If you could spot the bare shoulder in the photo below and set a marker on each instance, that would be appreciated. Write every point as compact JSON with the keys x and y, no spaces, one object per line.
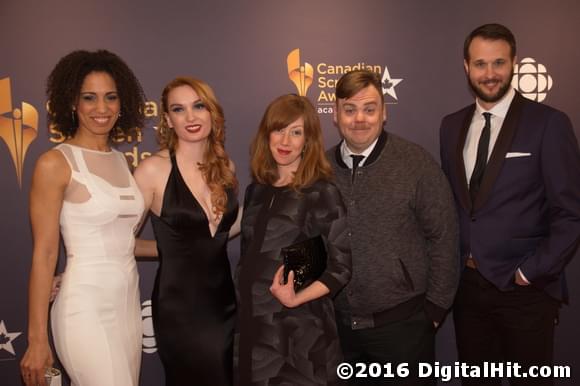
{"x":153,"y":171}
{"x":52,"y":163}
{"x":52,"y":159}
{"x":51,"y":171}
{"x":158,"y":163}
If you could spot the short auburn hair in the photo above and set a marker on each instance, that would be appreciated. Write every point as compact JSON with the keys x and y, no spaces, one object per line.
{"x":279,"y":114}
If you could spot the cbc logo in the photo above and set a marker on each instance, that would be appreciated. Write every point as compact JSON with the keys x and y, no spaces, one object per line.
{"x":149,"y":343}
{"x":532,"y":79}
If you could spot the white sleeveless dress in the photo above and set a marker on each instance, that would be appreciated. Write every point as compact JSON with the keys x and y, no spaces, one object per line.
{"x":96,"y":317}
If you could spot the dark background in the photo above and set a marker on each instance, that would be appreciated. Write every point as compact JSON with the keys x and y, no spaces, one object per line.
{"x":240,"y":49}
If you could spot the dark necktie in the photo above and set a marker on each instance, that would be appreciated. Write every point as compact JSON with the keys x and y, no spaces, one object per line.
{"x":481,"y":160}
{"x":356,"y":160}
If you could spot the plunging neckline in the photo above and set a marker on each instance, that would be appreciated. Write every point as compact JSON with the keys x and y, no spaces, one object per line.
{"x":196,"y":201}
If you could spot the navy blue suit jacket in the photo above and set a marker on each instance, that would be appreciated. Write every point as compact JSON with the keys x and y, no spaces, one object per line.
{"x":527,"y":212}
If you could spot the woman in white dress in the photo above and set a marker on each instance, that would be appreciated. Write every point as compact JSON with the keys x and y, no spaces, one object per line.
{"x":84,"y":188}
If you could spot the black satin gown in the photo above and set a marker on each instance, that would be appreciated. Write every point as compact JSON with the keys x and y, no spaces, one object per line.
{"x":279,"y":345}
{"x":194,"y":305}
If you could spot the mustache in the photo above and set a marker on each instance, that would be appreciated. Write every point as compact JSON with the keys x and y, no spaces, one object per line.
{"x":490,"y":81}
{"x":361,"y":126}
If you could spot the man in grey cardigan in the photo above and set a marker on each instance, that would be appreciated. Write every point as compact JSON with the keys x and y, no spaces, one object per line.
{"x":404,"y":237}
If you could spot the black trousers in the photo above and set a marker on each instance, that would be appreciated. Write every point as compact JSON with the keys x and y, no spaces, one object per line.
{"x":407,"y":341}
{"x":497,"y":326}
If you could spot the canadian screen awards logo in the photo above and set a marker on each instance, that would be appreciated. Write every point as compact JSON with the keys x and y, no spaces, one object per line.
{"x":6,"y":338}
{"x":324,"y":76}
{"x":301,"y":75}
{"x":531,"y":79}
{"x":18,"y":127}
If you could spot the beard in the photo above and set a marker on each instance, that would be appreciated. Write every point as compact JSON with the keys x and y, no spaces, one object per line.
{"x":504,"y":88}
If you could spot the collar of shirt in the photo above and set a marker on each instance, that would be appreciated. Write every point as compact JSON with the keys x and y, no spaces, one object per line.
{"x":499,"y":112}
{"x":346,"y":153}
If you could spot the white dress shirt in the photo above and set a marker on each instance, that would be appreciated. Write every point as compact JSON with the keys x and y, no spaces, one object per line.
{"x":498,"y":113}
{"x":346,"y":153}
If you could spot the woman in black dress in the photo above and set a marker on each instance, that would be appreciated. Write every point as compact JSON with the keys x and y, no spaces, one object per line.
{"x":288,"y":337}
{"x":190,"y":189}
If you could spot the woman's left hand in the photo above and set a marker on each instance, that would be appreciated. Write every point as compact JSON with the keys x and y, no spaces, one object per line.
{"x":284,"y":292}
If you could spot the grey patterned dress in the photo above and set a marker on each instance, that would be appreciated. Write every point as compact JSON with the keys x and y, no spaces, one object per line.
{"x":279,"y":345}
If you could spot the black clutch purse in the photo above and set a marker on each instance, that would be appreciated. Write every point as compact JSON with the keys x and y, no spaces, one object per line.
{"x":307,"y":259}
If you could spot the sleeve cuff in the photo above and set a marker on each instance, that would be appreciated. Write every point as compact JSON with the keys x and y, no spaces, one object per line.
{"x":331,"y":283}
{"x":525,"y":279}
{"x":434,"y":312}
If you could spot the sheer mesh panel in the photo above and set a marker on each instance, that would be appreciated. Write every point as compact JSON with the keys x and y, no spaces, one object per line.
{"x":70,"y":157}
{"x":107,"y":167}
{"x":112,"y":168}
{"x":76,"y":192}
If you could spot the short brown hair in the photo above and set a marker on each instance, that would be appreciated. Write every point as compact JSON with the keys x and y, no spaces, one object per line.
{"x":354,"y":81}
{"x":280,"y":113}
{"x":491,"y":31}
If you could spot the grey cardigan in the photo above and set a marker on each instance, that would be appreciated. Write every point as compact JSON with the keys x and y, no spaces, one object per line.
{"x":404,"y":235}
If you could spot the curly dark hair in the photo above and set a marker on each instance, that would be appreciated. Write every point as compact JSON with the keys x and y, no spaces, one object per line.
{"x":64,"y":85}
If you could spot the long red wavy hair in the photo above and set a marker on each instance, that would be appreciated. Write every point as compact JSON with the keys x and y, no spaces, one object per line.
{"x":215,"y":167}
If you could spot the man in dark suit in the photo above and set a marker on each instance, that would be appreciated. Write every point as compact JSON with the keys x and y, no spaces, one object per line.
{"x":514,"y":167}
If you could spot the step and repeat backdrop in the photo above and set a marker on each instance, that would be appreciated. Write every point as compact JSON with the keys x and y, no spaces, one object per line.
{"x":251,"y":52}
